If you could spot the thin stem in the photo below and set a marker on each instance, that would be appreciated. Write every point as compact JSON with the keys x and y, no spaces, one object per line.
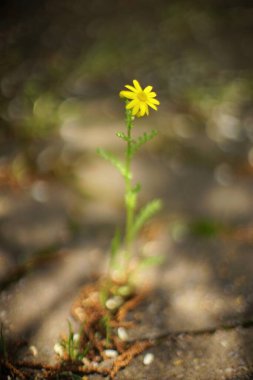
{"x":128,"y":187}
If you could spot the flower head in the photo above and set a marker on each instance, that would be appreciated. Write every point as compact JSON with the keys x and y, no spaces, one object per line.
{"x":140,"y":99}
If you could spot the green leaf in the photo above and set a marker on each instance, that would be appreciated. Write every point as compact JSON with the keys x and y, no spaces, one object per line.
{"x":137,"y":188}
{"x":123,"y":136}
{"x":105,"y":320}
{"x":108,"y":156}
{"x":151,"y":261}
{"x":85,"y":351}
{"x":142,"y":140}
{"x":70,"y":344}
{"x":145,"y":214}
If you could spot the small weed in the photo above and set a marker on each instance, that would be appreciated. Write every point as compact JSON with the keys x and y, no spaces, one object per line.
{"x":104,"y":306}
{"x":106,"y":324}
{"x":70,"y":348}
{"x":122,"y":254}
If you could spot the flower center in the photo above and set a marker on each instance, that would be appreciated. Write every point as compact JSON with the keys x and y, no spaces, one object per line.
{"x":142,"y":96}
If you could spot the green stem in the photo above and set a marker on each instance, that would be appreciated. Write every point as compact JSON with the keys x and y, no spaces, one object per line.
{"x":128,"y":187}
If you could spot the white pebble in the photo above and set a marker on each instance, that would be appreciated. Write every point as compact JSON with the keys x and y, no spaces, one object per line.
{"x":114,"y":302}
{"x":33,"y":350}
{"x":76,"y":337}
{"x":122,"y":334}
{"x":229,"y":371}
{"x":86,"y":361}
{"x":58,"y":349}
{"x":148,"y":358}
{"x":111,"y":353}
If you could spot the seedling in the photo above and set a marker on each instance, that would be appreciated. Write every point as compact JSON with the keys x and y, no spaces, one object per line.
{"x":71,"y":346}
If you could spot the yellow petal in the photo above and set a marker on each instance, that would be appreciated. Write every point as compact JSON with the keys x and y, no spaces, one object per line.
{"x":143,"y":107}
{"x":152,"y":94}
{"x":135,"y":109}
{"x":127,"y":94}
{"x":148,"y":89}
{"x":152,"y":106}
{"x":131,"y":104}
{"x":137,"y":85}
{"x":131,"y":88}
{"x":154,"y":101}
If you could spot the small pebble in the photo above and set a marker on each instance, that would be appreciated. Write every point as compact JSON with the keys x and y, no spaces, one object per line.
{"x":148,"y":358}
{"x":76,"y":337}
{"x":114,"y":302}
{"x":86,"y":361}
{"x":111,"y":353}
{"x":229,"y":371}
{"x":33,"y":350}
{"x":40,"y":191}
{"x":58,"y":349}
{"x":224,"y":343}
{"x":177,"y":362}
{"x":122,"y":334}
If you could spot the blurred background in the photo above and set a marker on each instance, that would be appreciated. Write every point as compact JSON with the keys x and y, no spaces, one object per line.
{"x":63,"y":64}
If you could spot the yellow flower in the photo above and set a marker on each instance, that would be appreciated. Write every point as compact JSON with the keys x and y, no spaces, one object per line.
{"x":140,"y":99}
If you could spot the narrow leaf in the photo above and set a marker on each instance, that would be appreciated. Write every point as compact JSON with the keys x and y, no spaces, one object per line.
{"x":143,"y":140}
{"x":151,"y":261}
{"x":145,"y":214}
{"x":137,"y":188}
{"x":113,"y":160}
{"x":123,"y":136}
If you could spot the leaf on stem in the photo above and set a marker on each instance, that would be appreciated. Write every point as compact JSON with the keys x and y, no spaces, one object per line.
{"x":123,"y":136}
{"x":142,"y":140}
{"x":151,"y":261}
{"x":113,"y":160}
{"x":105,"y":320}
{"x":145,"y":214}
{"x":137,"y":188}
{"x":70,"y":343}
